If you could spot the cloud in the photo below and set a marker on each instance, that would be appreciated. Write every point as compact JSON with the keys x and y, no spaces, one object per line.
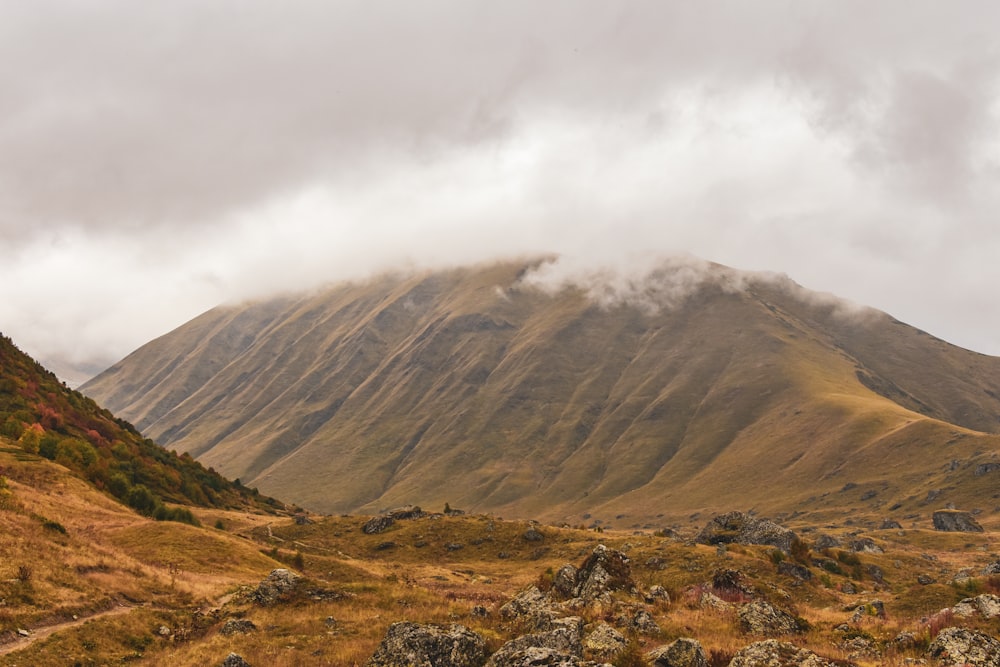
{"x":158,"y":158}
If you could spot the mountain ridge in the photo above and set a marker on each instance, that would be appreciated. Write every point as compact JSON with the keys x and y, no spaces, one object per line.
{"x":503,"y":388}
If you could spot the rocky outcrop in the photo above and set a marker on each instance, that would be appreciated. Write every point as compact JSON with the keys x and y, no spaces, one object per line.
{"x":278,"y":585}
{"x":956,"y":521}
{"x":605,"y":570}
{"x":545,"y":657}
{"x":416,"y":645}
{"x":235,"y":660}
{"x":773,"y":653}
{"x":683,"y":652}
{"x":985,"y":605}
{"x":865,"y":545}
{"x":563,"y":639}
{"x":377,"y":524}
{"x":763,"y":618}
{"x":961,"y":646}
{"x":741,"y":528}
{"x":531,"y":606}
{"x":238,"y":626}
{"x":604,"y":642}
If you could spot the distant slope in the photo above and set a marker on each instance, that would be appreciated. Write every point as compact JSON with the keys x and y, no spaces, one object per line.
{"x":475,"y":387}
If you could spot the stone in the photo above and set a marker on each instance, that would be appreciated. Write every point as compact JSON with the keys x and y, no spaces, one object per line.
{"x":774,"y":653}
{"x":277,"y":585}
{"x":532,"y":535}
{"x":377,"y":524}
{"x":961,"y":646}
{"x":302,"y":520}
{"x":762,"y":618}
{"x":683,"y":652}
{"x":800,"y":572}
{"x":741,"y":528}
{"x":890,"y":524}
{"x":604,"y":570}
{"x":871,"y":609}
{"x":535,"y":656}
{"x":406,"y":512}
{"x":235,"y":660}
{"x":530,"y":605}
{"x":865,"y":545}
{"x":564,"y":639}
{"x":564,"y":581}
{"x":163,"y":631}
{"x":825,"y":542}
{"x":657,"y":593}
{"x":986,"y":605}
{"x":924,"y":580}
{"x":23,"y":633}
{"x":992,"y":568}
{"x":955,"y":521}
{"x":409,"y":644}
{"x":644,"y":623}
{"x":240,"y":626}
{"x":604,"y":642}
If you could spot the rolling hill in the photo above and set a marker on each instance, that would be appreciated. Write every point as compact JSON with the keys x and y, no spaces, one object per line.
{"x":695,"y":389}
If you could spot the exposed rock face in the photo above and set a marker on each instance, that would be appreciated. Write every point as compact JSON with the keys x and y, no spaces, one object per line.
{"x":406,"y":512}
{"x":604,"y":570}
{"x":544,"y":657}
{"x":986,"y":605}
{"x":800,"y":572}
{"x":604,"y":642}
{"x":644,"y":623}
{"x":866,"y":545}
{"x":683,"y":652}
{"x":240,"y":626}
{"x":960,"y":646}
{"x":772,"y":653}
{"x":741,"y":528}
{"x":529,"y":604}
{"x":564,"y":581}
{"x":992,"y":568}
{"x":762,"y":618}
{"x":277,"y":584}
{"x":826,"y":542}
{"x":956,"y":521}
{"x":415,"y":645}
{"x":564,"y":639}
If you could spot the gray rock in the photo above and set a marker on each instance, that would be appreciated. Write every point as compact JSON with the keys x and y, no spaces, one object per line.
{"x":657,"y":593}
{"x":533,"y":535}
{"x":874,"y":609}
{"x":773,"y":653}
{"x":604,"y":642}
{"x":644,"y":623}
{"x":235,"y":660}
{"x":377,"y":524}
{"x":825,"y":542}
{"x":890,"y":524}
{"x":277,"y":584}
{"x":992,"y":568}
{"x":865,"y":545}
{"x":986,"y":605}
{"x":741,"y":528}
{"x":238,"y":626}
{"x":406,"y":512}
{"x":961,"y":646}
{"x":564,"y":581}
{"x":956,"y":521}
{"x":563,"y":639}
{"x":415,"y":645}
{"x":604,"y":570}
{"x":535,"y":656}
{"x":531,"y":606}
{"x":800,"y":572}
{"x":763,"y":618}
{"x":683,"y":652}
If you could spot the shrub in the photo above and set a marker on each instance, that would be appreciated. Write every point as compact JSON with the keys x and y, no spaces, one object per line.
{"x":24,"y":573}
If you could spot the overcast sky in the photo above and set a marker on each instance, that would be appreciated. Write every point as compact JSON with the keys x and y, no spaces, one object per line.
{"x":158,"y":158}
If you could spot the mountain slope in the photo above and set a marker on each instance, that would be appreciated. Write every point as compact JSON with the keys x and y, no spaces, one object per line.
{"x":496,"y":388}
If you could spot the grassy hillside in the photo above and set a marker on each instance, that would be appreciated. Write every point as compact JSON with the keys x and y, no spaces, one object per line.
{"x":477,"y":388}
{"x":44,"y":417}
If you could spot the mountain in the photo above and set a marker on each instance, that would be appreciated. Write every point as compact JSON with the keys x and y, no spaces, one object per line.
{"x":507,"y":388}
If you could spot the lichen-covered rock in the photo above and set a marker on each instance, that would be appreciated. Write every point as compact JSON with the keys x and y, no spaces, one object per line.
{"x":986,"y":605}
{"x":604,"y":570}
{"x":563,"y":638}
{"x":825,"y":542}
{"x":961,"y":646}
{"x":643,"y":623}
{"x":531,"y":606}
{"x":406,"y":512}
{"x":683,"y":652}
{"x":533,"y":535}
{"x":890,"y":524}
{"x":955,"y":521}
{"x":416,"y":645}
{"x":657,"y":593}
{"x":235,"y":660}
{"x":992,"y":568}
{"x":564,"y":581}
{"x":871,"y":609}
{"x":240,"y":626}
{"x":794,"y":570}
{"x":741,"y":528}
{"x":773,"y":653}
{"x":377,"y":524}
{"x":604,"y":642}
{"x":278,"y":584}
{"x":865,"y":545}
{"x":762,"y":618}
{"x":544,"y":657}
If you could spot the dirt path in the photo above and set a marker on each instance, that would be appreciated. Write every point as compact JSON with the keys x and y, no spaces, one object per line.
{"x":43,"y":632}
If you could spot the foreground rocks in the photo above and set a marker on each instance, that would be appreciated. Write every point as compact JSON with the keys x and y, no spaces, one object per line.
{"x":960,"y":646}
{"x":277,"y":585}
{"x":773,"y":653}
{"x":415,"y":645}
{"x":683,"y":652}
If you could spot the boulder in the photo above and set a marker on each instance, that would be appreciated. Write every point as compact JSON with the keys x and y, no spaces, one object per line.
{"x":409,"y":644}
{"x":890,"y":524}
{"x":544,"y":657}
{"x":683,"y":652}
{"x":277,"y":585}
{"x":643,"y":623}
{"x":563,"y":639}
{"x":763,"y":618}
{"x":961,"y":646}
{"x":533,"y":535}
{"x":865,"y":545}
{"x":240,"y":626}
{"x":986,"y":605}
{"x":956,"y":521}
{"x":377,"y":524}
{"x":604,"y":570}
{"x":235,"y":660}
{"x":794,"y":570}
{"x":406,"y":512}
{"x":992,"y":568}
{"x":604,"y":642}
{"x":564,"y":581}
{"x":773,"y":653}
{"x":531,"y":606}
{"x":825,"y":542}
{"x":741,"y":528}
